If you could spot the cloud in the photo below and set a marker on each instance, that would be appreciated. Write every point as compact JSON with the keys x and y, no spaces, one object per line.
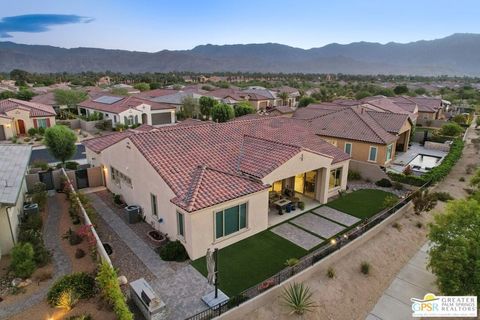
{"x":32,"y":23}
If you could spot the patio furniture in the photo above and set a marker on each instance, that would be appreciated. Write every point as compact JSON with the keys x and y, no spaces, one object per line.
{"x":281,"y":204}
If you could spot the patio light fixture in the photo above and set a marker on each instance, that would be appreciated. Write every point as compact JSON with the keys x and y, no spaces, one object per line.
{"x":333,"y":241}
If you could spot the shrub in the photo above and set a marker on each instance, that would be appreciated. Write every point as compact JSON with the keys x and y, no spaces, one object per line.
{"x":80,"y":282}
{"x":117,"y":199}
{"x":397,"y":226}
{"x":32,"y":222}
{"x":419,"y":225}
{"x":40,"y":164}
{"x":71,"y":165}
{"x":354,"y":175}
{"x":34,"y":237}
{"x":41,"y":131}
{"x":32,"y":132}
{"x":79,"y":253}
{"x":298,"y":298}
{"x":291,"y":262}
{"x":365,"y":268}
{"x":39,"y":194}
{"x":462,"y":179}
{"x":81,"y":317}
{"x":384,"y":183}
{"x":236,"y":300}
{"x":173,"y":251}
{"x":73,"y":237}
{"x":424,"y":201}
{"x":443,"y":196}
{"x":450,"y":129}
{"x":301,"y":205}
{"x":397,"y":185}
{"x":110,"y":289}
{"x":408,"y":170}
{"x":331,"y":272}
{"x":389,"y":201}
{"x":22,"y":263}
{"x":67,"y":299}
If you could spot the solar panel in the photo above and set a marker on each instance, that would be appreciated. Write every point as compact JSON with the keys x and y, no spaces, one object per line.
{"x":108,"y":99}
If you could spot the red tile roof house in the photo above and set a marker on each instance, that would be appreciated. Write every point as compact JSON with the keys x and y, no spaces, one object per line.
{"x":367,"y":135}
{"x":18,"y":116}
{"x":129,"y":110}
{"x":207,"y":185}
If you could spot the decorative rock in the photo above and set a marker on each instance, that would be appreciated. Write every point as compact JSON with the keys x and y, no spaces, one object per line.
{"x":16,"y":282}
{"x":122,"y":280}
{"x":25,"y":283}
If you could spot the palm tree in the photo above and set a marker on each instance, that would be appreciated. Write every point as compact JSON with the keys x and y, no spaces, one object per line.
{"x":284,"y":97}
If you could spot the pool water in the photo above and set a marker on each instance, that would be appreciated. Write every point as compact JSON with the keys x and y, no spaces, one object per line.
{"x":424,"y":163}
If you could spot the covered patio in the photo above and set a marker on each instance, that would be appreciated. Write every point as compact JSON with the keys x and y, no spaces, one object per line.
{"x":275,"y":218}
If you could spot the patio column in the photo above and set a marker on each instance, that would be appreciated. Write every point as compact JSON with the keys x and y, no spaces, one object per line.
{"x":407,"y":140}
{"x":322,"y":185}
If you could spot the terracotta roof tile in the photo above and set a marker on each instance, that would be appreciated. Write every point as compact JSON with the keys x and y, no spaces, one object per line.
{"x":35,"y":109}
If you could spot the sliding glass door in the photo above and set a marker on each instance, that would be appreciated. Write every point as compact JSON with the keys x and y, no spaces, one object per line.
{"x":305,"y":183}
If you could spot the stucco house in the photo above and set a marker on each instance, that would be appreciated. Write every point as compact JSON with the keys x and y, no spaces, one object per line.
{"x":211,"y":184}
{"x":128,"y":110}
{"x":13,"y":166}
{"x":366,"y":135}
{"x":18,"y":116}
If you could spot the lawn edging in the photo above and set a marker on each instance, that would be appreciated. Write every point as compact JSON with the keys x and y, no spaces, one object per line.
{"x":266,"y":297}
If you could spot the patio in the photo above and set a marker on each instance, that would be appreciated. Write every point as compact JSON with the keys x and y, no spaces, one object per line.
{"x":274,"y":218}
{"x":402,"y":159}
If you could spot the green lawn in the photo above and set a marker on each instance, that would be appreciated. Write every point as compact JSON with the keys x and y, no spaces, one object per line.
{"x":250,"y":261}
{"x":362,"y":203}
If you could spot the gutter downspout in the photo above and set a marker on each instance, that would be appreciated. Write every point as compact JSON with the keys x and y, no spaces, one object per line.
{"x":10,"y":225}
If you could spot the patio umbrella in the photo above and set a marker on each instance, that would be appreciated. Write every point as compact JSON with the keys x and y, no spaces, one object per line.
{"x":210,"y":267}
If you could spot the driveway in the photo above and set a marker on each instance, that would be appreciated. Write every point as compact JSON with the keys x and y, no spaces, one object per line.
{"x":42,"y":154}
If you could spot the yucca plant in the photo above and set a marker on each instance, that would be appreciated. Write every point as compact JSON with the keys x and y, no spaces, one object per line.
{"x":298,"y":298}
{"x":67,"y":299}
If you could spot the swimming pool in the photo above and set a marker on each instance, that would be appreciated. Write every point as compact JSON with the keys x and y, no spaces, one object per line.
{"x":424,"y":163}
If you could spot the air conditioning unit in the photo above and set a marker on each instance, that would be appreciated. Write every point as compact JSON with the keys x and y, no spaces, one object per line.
{"x":31,"y":208}
{"x":133,"y":213}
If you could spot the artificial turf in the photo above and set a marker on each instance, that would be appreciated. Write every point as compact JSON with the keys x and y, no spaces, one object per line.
{"x":362,"y":203}
{"x":250,"y":261}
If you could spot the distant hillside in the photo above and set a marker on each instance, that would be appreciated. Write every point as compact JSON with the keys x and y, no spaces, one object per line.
{"x":458,"y":54}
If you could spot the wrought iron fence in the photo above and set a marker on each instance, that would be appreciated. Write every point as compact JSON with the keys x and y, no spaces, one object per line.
{"x":307,"y":260}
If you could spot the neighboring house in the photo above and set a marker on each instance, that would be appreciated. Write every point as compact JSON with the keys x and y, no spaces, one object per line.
{"x":129,"y":110}
{"x":13,"y":166}
{"x":175,"y":99}
{"x":207,"y":185}
{"x":261,"y":98}
{"x":430,"y":108}
{"x":364,"y":134}
{"x":392,"y":105}
{"x":293,"y":96}
{"x":18,"y":116}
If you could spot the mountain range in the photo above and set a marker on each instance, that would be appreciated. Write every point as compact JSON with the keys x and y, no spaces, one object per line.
{"x":458,"y":54}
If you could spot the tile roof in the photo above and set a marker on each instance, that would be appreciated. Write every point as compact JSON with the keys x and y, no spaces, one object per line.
{"x":385,"y":104}
{"x":123,"y":104}
{"x":241,"y":149}
{"x":392,"y":122}
{"x":35,"y":109}
{"x":155,"y":93}
{"x":47,"y":98}
{"x":13,"y":165}
{"x":353,"y":123}
{"x":427,"y":104}
{"x":99,"y":144}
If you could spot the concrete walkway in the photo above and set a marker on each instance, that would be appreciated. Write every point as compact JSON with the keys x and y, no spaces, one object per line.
{"x":180,"y":289}
{"x":61,"y":262}
{"x":413,"y":281}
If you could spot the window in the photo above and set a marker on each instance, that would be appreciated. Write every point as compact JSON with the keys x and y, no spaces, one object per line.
{"x":348,"y":148}
{"x":277,"y":186}
{"x":42,"y":123}
{"x":180,"y":224}
{"x":136,"y":119}
{"x":153,"y":202}
{"x":118,"y":177}
{"x":335,"y":178}
{"x":389,"y":152}
{"x":231,"y":220}
{"x":372,"y":156}
{"x":114,"y":119}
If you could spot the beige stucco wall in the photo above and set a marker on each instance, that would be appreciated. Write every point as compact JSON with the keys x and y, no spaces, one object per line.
{"x":8,"y":127}
{"x":6,"y":241}
{"x":426,"y":115}
{"x":361,"y":150}
{"x":24,"y":115}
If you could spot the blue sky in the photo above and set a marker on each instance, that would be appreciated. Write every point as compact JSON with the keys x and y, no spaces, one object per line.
{"x":180,"y":24}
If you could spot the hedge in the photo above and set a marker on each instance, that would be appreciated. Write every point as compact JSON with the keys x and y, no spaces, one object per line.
{"x":108,"y":284}
{"x":437,"y":173}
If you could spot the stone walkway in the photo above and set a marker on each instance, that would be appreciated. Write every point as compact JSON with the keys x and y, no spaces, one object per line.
{"x":413,"y":281}
{"x":337,"y":216}
{"x":181,"y":289}
{"x":61,"y":262}
{"x":296,"y":235}
{"x":318,"y":225}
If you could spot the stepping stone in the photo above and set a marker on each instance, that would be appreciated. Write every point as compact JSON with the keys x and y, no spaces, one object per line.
{"x":337,"y":216}
{"x":318,"y":225}
{"x":296,"y":235}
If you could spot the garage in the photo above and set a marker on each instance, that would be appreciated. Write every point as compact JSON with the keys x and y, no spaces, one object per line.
{"x":161,"y":118}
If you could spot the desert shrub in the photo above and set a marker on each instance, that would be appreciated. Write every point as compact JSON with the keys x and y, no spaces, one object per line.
{"x":397,"y":185}
{"x":443,"y":196}
{"x":81,"y":283}
{"x":397,"y":226}
{"x":389,"y":201}
{"x":173,"y":251}
{"x":22,"y":263}
{"x":462,"y":179}
{"x":40,"y":164}
{"x":384,"y":183}
{"x":424,"y":201}
{"x":73,"y":237}
{"x":291,"y":262}
{"x":110,"y":289}
{"x":331,"y":272}
{"x":354,"y":175}
{"x":365,"y":268}
{"x":29,"y":232}
{"x":32,"y":222}
{"x":67,"y":299}
{"x":71,"y":165}
{"x":39,"y":194}
{"x":470,"y":168}
{"x":419,"y":225}
{"x":79,"y":253}
{"x":298,"y":298}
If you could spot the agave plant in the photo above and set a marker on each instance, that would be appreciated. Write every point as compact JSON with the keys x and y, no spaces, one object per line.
{"x":298,"y":298}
